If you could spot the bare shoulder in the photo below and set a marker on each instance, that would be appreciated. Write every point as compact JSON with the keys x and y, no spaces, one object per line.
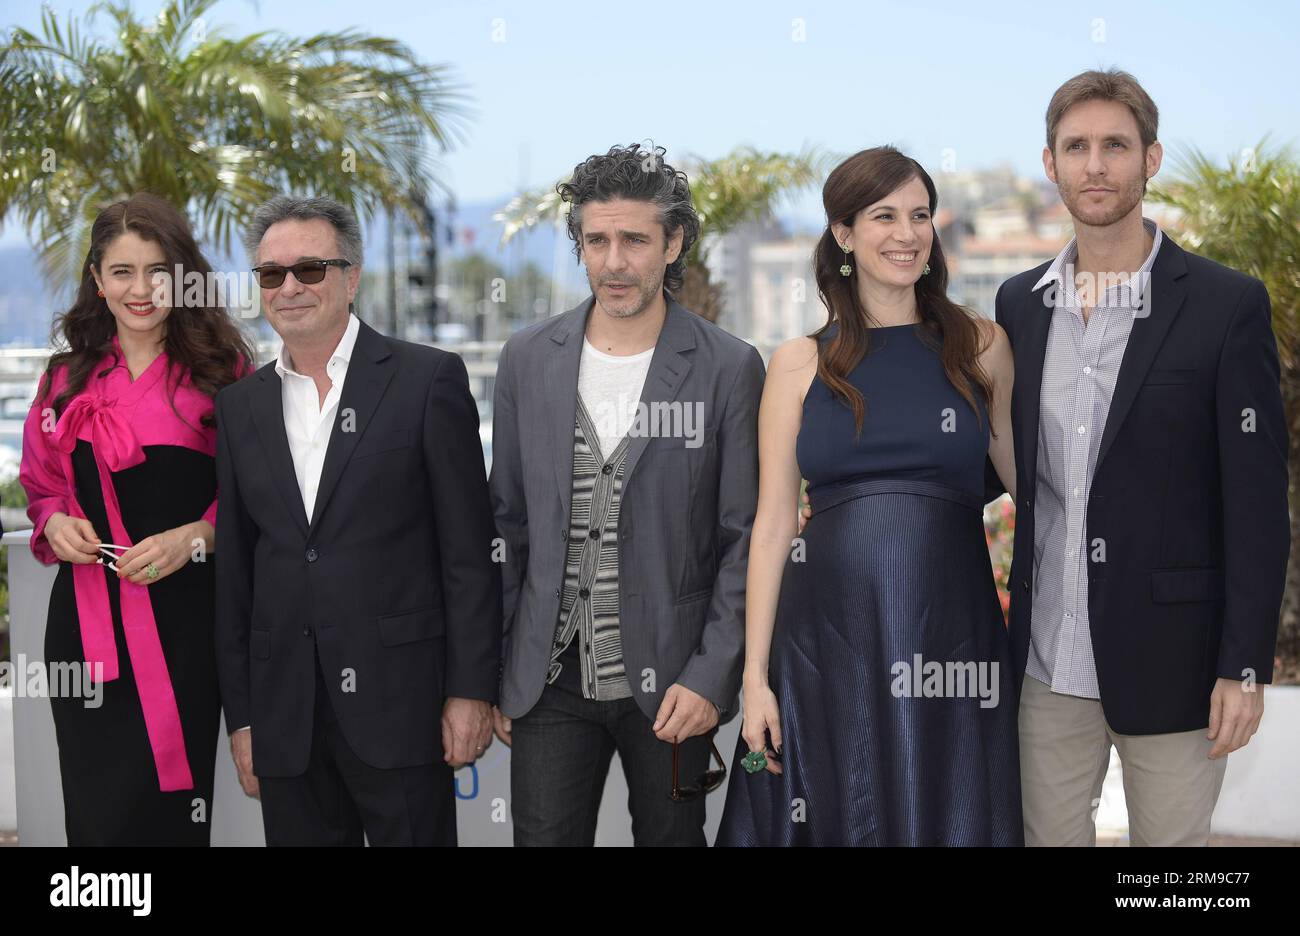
{"x":795,"y":356}
{"x":994,"y":343}
{"x":793,"y":365}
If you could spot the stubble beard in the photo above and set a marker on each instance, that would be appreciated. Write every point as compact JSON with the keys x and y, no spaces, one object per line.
{"x":645,"y":294}
{"x":1130,"y":196}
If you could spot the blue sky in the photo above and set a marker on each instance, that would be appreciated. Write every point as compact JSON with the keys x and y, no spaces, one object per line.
{"x":571,"y":79}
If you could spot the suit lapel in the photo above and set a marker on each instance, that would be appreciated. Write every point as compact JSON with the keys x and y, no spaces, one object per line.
{"x":268,"y":417}
{"x":668,"y":368}
{"x":1031,"y":343}
{"x":369,"y":372}
{"x":560,"y":390}
{"x":1166,"y":299}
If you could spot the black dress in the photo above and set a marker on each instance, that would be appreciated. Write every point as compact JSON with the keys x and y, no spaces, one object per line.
{"x":889,"y":660}
{"x":111,"y":792}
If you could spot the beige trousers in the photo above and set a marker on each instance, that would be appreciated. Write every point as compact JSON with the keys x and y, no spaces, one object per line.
{"x":1170,"y":785}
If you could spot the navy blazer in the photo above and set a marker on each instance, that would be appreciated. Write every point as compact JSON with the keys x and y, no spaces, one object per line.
{"x":1189,"y":493}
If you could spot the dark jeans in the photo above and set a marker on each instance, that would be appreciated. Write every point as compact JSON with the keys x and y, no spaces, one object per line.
{"x":340,"y":796}
{"x":559,"y":758}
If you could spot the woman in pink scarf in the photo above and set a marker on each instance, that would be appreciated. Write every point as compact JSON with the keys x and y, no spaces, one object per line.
{"x":118,"y":464}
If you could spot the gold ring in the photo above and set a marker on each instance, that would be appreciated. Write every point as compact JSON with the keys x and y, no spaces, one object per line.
{"x":151,"y":571}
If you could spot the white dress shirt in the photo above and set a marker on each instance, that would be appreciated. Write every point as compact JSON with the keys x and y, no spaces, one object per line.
{"x":308,"y":422}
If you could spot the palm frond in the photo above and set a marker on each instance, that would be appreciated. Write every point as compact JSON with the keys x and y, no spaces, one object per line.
{"x":212,"y":122}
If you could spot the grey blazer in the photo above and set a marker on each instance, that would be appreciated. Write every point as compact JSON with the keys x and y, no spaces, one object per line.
{"x":684,"y":519}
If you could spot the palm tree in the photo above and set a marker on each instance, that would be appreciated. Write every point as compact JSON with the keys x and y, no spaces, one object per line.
{"x":213,"y":123}
{"x":744,"y":185}
{"x":1246,"y":215}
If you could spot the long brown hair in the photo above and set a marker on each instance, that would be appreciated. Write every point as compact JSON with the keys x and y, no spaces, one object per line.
{"x":860,"y":181}
{"x":201,"y":340}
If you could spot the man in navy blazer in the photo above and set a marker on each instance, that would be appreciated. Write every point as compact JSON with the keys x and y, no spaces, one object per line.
{"x":1152,"y":528}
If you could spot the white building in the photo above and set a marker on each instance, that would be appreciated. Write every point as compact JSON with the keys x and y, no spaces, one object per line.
{"x":783,"y":291}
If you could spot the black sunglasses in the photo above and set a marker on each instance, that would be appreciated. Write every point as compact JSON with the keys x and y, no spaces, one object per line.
{"x":307,"y":272}
{"x":706,"y":782}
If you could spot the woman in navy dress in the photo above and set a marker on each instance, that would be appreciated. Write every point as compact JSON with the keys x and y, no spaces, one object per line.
{"x":879,"y":705}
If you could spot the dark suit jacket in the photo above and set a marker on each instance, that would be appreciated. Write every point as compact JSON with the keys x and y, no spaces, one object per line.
{"x":685,"y":512}
{"x":392,"y":582}
{"x":1189,"y":493}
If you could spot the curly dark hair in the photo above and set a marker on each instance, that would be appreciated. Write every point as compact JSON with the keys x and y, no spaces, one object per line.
{"x":636,"y":173}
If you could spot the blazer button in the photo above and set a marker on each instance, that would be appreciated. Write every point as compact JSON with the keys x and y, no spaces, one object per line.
{"x":564,"y":534}
{"x":1025,"y":584}
{"x":607,"y":469}
{"x":1029,"y":504}
{"x":311,"y":553}
{"x":557,"y":593}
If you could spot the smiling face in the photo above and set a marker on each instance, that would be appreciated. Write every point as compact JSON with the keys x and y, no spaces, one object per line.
{"x":626,"y":253}
{"x":1098,"y":163}
{"x":130,"y":274}
{"x":891,"y":239}
{"x":306,"y":312}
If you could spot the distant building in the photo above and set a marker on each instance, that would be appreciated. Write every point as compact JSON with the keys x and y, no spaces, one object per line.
{"x":983,"y":265}
{"x":783,"y":291}
{"x":963,"y":193}
{"x":729,"y":264}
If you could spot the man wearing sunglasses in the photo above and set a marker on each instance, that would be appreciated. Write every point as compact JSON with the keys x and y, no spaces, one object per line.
{"x":357,"y":649}
{"x":624,"y":479}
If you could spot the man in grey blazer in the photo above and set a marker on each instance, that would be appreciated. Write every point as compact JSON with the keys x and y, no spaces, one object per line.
{"x":624,"y":483}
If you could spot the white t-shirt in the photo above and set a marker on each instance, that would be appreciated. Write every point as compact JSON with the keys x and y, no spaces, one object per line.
{"x":610,"y":386}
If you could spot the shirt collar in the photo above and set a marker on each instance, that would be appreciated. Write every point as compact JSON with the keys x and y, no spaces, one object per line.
{"x":343,"y":352}
{"x":1069,"y":255}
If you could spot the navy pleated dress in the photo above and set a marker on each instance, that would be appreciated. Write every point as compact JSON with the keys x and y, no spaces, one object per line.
{"x":890,"y":660}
